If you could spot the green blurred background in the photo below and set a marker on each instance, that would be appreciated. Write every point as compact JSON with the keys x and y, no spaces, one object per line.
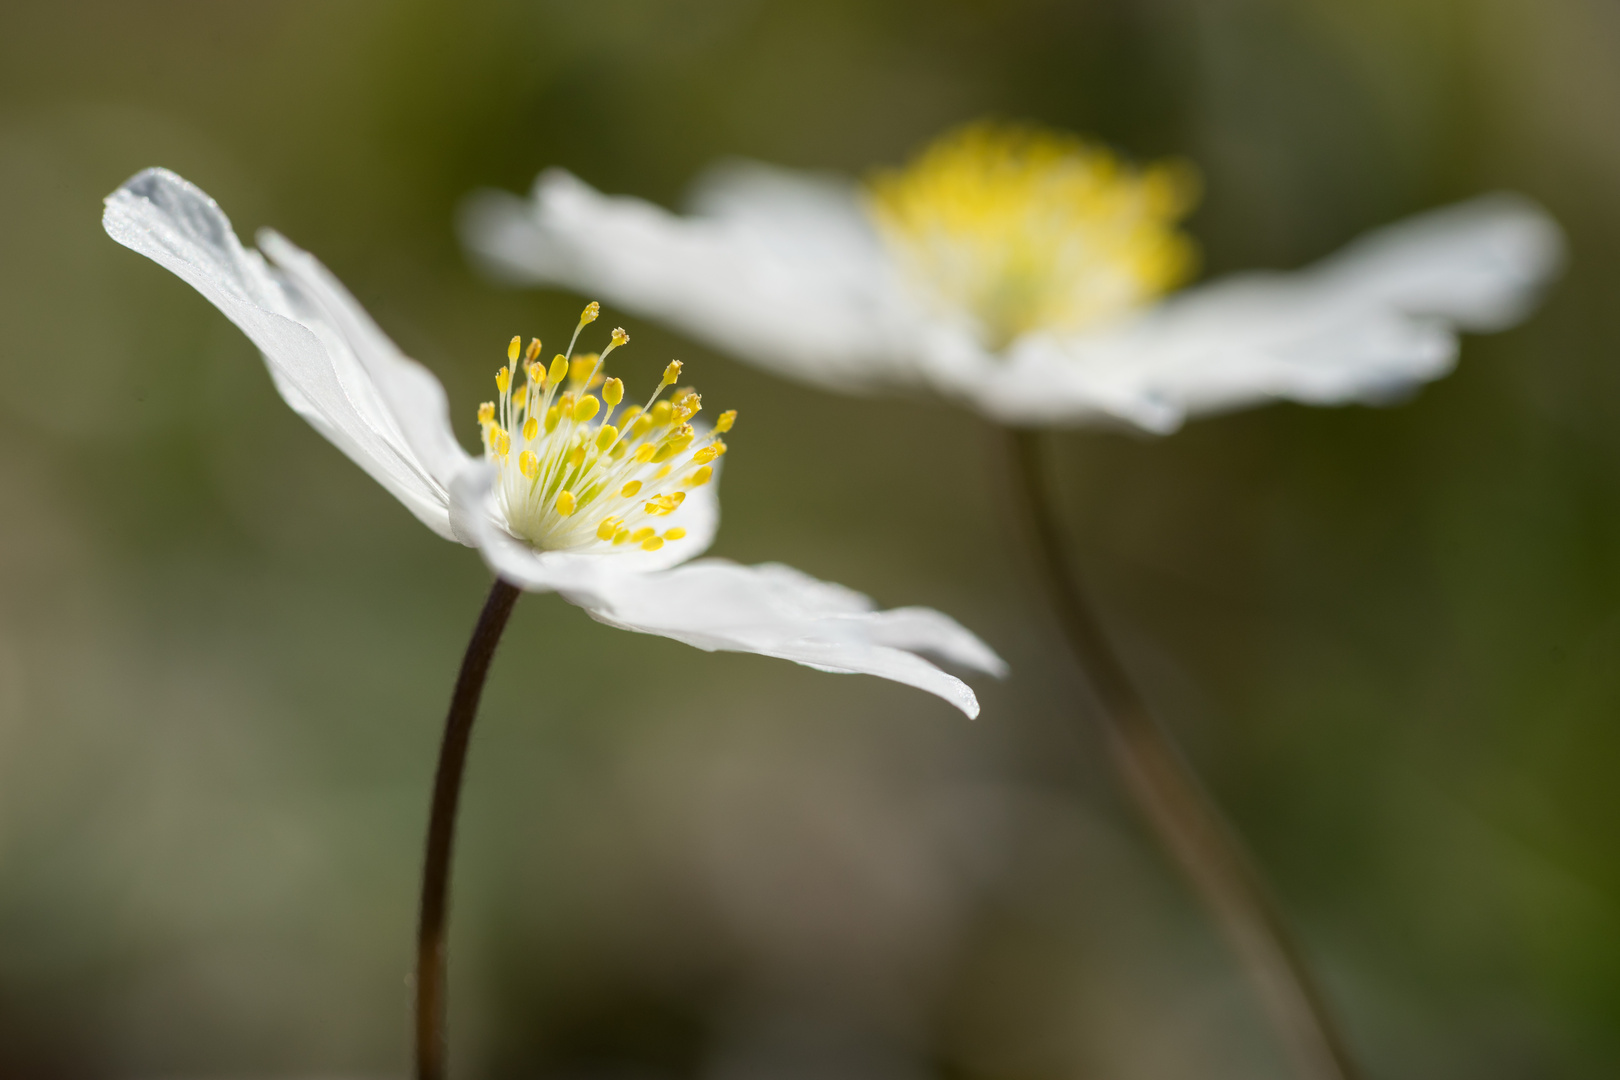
{"x":1387,"y":637}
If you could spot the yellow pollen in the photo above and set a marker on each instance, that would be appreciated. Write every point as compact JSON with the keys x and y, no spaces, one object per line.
{"x":619,"y":337}
{"x":701,"y":477}
{"x":1020,"y":228}
{"x":592,"y":310}
{"x":574,"y":481}
{"x":727,"y":418}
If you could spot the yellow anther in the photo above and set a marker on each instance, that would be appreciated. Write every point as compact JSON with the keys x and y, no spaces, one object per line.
{"x":553,"y":414}
{"x":586,"y":408}
{"x":672,"y":371}
{"x":613,"y":391}
{"x":661,"y":413}
{"x":565,"y":503}
{"x":513,"y":347}
{"x":559,"y":369}
{"x":499,"y":441}
{"x":486,"y":413}
{"x":661,"y":473}
{"x":645,"y":451}
{"x":629,"y":490}
{"x":727,"y":418}
{"x":531,"y":430}
{"x":720,"y":446}
{"x":702,"y":457}
{"x":605,"y":436}
{"x":528,"y":464}
{"x":609,"y":526}
{"x":642,"y":425}
{"x":576,"y":457}
{"x":582,"y":365}
{"x":701,"y":477}
{"x":533,"y":352}
{"x":592,"y":310}
{"x":652,"y":543}
{"x":641,"y":534}
{"x":620,"y":537}
{"x":619,"y":337}
{"x":619,"y":450}
{"x":503,"y":379}
{"x":676,"y":533}
{"x":663,"y":452}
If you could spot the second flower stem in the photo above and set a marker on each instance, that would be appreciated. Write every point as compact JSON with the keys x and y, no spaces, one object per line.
{"x":430,"y":934}
{"x":1186,"y":821}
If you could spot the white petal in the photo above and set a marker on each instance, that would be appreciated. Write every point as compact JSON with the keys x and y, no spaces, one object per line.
{"x":1365,"y":325}
{"x":306,"y":343}
{"x":413,"y":398}
{"x":775,"y":270}
{"x":774,"y":610}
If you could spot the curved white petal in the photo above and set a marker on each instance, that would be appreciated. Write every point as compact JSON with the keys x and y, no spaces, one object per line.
{"x":774,"y":269}
{"x":775,"y":610}
{"x":716,"y":605}
{"x":327,"y":359}
{"x":1367,"y":325}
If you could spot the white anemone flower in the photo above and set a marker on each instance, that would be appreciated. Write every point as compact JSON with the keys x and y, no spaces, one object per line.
{"x":575,"y":493}
{"x":1027,"y":274}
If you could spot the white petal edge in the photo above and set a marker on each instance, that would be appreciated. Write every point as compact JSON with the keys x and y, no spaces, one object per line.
{"x":303,"y":328}
{"x":1365,"y":325}
{"x":716,"y":605}
{"x":783,"y":273}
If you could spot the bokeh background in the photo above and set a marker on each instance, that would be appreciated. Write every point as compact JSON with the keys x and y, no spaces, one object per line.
{"x":1388,"y":638}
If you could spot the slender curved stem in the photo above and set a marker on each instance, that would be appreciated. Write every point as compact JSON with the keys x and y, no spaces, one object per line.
{"x":1186,"y":820}
{"x":430,"y":980}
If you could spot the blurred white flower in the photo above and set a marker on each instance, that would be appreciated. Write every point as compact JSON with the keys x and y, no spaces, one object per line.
{"x":1028,"y":275}
{"x":573,"y":495}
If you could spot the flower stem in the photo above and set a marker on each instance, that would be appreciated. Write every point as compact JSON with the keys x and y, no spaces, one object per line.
{"x":1187,"y":822}
{"x":430,"y":949}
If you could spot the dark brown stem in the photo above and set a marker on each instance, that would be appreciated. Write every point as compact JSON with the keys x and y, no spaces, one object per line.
{"x":430,"y":974}
{"x":1186,"y":820}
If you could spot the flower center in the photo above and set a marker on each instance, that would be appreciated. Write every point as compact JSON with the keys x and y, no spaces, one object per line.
{"x":1025,"y":229}
{"x":576,"y":471}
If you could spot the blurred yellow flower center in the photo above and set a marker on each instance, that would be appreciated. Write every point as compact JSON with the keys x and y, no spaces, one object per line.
{"x":1023,"y":229}
{"x":579,"y":472}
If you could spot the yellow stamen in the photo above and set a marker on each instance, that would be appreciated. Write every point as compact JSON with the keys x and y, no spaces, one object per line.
{"x":503,"y":379}
{"x":605,"y":436}
{"x":486,"y":413}
{"x":513,"y":347}
{"x":672,"y":371}
{"x":652,"y":543}
{"x":641,"y":534}
{"x":609,"y":526}
{"x":1026,"y":229}
{"x":701,"y":477}
{"x":613,"y":391}
{"x":586,"y":408}
{"x":727,"y":418}
{"x":559,"y":369}
{"x":565,"y":503}
{"x":531,"y":430}
{"x":528,"y":464}
{"x":629,"y":490}
{"x":676,"y":533}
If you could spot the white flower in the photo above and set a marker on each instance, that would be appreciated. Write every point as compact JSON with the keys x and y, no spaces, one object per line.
{"x":564,"y":499}
{"x":1025,"y":274}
